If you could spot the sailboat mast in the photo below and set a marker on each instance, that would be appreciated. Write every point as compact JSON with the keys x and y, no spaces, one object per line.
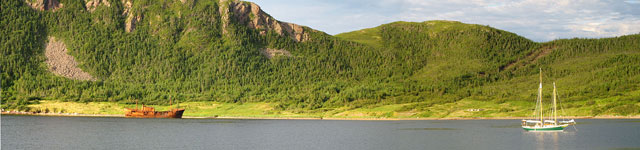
{"x":555,"y":110}
{"x":540,"y":98}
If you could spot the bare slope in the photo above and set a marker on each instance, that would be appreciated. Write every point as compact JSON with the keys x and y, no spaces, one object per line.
{"x":63,"y":64}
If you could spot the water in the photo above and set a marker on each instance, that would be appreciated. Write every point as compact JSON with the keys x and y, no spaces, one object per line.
{"x":36,"y":132}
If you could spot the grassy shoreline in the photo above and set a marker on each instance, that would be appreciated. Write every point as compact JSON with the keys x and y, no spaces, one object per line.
{"x":308,"y":118}
{"x":461,"y":110}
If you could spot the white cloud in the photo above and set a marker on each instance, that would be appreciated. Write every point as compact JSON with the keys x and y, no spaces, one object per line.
{"x":539,"y":20}
{"x":600,"y":29}
{"x":633,"y":1}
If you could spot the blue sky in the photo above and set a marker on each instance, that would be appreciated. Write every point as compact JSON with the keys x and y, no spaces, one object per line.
{"x":539,"y":20}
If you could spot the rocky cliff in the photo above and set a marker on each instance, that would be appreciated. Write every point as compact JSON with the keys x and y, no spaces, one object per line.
{"x":132,"y":18}
{"x":242,"y":12}
{"x":251,"y":15}
{"x":92,"y":4}
{"x":44,"y":4}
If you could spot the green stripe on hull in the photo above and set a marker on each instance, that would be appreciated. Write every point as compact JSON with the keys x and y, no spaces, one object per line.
{"x":544,"y":129}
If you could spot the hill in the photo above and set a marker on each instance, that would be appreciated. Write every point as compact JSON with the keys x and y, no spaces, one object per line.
{"x":231,"y":51}
{"x":597,"y":76}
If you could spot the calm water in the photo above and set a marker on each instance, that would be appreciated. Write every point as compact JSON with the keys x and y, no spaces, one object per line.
{"x":36,"y":132}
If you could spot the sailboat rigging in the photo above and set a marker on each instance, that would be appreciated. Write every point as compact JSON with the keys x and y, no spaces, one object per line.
{"x":539,"y":123}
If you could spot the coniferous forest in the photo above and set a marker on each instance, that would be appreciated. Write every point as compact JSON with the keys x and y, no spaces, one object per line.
{"x":190,"y":51}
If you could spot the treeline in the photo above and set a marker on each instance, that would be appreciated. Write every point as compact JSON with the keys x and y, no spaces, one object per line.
{"x":447,"y":59}
{"x":457,"y":61}
{"x":23,"y":34}
{"x":180,"y":51}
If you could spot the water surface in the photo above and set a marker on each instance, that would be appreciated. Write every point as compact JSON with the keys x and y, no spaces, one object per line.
{"x":37,"y":132}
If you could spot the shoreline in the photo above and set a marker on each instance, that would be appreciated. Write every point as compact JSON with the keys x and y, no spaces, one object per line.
{"x":314,"y":118}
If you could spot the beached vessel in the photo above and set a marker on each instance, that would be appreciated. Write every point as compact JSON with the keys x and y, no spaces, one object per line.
{"x":540,"y":124}
{"x":150,"y":112}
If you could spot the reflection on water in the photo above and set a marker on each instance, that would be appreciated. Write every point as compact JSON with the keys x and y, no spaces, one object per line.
{"x":551,"y":142}
{"x":629,"y":121}
{"x":508,"y":126}
{"x":215,"y":122}
{"x":539,"y":139}
{"x":554,"y":139}
{"x":36,"y":132}
{"x":428,"y":129}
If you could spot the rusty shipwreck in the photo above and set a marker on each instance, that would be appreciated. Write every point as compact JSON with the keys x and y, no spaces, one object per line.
{"x":150,"y":112}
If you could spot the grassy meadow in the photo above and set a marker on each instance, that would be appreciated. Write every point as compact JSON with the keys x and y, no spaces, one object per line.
{"x":466,"y":108}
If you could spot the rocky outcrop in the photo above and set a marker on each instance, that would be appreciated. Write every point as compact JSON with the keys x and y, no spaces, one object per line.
{"x":127,"y":7}
{"x":91,"y":5}
{"x":130,"y":23}
{"x":44,"y":5}
{"x":250,"y":14}
{"x":132,"y":18}
{"x":63,"y":64}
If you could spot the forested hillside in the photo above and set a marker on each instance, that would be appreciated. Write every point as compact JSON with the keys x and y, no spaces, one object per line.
{"x":480,"y":63}
{"x":230,"y":51}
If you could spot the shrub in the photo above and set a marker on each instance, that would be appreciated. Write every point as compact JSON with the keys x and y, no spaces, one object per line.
{"x":505,"y":110}
{"x":627,"y":109}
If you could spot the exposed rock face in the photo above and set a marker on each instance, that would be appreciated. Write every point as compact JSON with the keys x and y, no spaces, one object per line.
{"x":132,"y":19}
{"x":63,"y":64}
{"x":270,"y":53}
{"x":91,"y":5}
{"x":43,"y":5}
{"x":250,"y":14}
{"x":127,"y":7}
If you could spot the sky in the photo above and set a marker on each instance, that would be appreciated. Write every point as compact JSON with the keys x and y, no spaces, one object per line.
{"x":538,"y":20}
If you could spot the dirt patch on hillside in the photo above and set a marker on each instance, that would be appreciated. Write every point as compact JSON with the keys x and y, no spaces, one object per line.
{"x":531,"y":57}
{"x":270,"y":53}
{"x":544,"y":52}
{"x":63,"y":64}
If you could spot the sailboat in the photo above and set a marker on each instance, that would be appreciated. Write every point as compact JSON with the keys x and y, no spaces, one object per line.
{"x":539,"y":123}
